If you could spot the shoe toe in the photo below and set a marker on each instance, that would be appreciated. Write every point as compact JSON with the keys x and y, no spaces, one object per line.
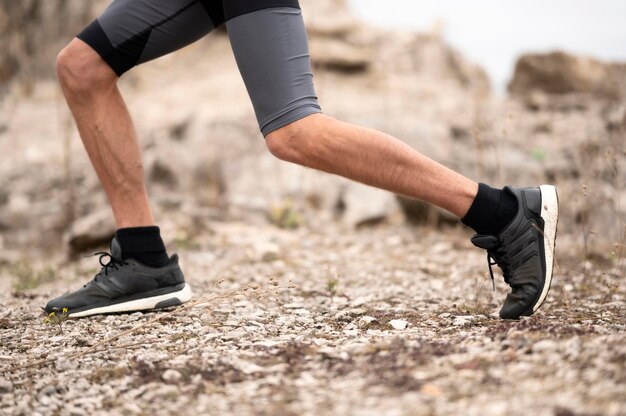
{"x":519,"y":302}
{"x":512,"y":309}
{"x":55,"y":305}
{"x":69,"y":301}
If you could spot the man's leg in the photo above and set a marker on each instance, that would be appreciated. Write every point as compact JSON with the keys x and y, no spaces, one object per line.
{"x":516,"y":226}
{"x":271,"y":49}
{"x":106,"y":129}
{"x":371,"y":157}
{"x":128,"y":33}
{"x":139,"y":275}
{"x":519,"y":224}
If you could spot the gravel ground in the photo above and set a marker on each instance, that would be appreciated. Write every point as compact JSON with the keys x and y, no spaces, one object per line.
{"x":380,"y":320}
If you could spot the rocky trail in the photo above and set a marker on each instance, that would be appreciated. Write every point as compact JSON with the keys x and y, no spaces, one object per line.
{"x":382,"y":320}
{"x":313,"y":295}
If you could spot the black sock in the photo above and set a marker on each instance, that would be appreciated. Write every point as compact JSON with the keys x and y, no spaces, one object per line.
{"x":143,"y":244}
{"x":492,"y":210}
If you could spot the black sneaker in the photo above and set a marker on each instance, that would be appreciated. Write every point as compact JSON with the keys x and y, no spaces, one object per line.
{"x":524,"y":250}
{"x":125,"y":286}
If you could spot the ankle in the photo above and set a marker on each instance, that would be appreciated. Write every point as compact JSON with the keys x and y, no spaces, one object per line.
{"x":143,"y":244}
{"x":492,"y":210}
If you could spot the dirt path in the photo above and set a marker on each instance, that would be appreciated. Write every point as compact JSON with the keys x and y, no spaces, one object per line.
{"x":321,"y":342}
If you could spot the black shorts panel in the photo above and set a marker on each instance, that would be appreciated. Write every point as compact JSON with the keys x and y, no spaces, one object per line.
{"x":130,"y":32}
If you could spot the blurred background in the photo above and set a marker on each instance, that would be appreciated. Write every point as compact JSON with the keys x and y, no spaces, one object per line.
{"x":495,"y":33}
{"x":504,"y":92}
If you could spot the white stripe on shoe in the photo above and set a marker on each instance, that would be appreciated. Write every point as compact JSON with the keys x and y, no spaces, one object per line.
{"x":144,"y":304}
{"x":550,"y":216}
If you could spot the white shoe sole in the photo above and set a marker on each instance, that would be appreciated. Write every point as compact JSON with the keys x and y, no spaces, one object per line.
{"x":550,"y":216}
{"x":183,"y":295}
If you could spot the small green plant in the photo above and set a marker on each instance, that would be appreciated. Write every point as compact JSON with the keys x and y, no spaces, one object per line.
{"x":539,"y":154}
{"x":284,"y":215}
{"x":57,"y":318}
{"x":331,"y":286}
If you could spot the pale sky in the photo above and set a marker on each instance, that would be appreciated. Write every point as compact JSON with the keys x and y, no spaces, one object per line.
{"x":494,"y":32}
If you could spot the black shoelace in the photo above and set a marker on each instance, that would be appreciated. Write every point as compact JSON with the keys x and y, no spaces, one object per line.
{"x":498,"y":258}
{"x":113,"y":263}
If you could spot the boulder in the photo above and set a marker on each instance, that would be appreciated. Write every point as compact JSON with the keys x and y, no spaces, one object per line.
{"x":363,"y":205}
{"x":338,"y":55}
{"x":90,"y":231}
{"x":562,"y":73}
{"x":334,"y":37}
{"x":329,"y":18}
{"x":162,"y":172}
{"x":419,"y":212}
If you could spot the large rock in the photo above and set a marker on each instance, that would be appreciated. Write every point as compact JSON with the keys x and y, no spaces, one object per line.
{"x":561,"y":73}
{"x":329,"y":18}
{"x":91,"y":231}
{"x":338,"y":55}
{"x":364,"y":205}
{"x":333,"y":36}
{"x":419,"y":212}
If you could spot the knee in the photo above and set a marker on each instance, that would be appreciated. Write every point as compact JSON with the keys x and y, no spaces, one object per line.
{"x":296,"y":142}
{"x":283,"y":143}
{"x":80,"y":70}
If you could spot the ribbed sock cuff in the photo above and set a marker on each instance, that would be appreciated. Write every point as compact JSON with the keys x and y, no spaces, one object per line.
{"x":492,"y":210}
{"x":140,"y":240}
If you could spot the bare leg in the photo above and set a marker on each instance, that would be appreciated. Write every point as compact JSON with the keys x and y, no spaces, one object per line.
{"x":107,"y":131}
{"x":373,"y":158}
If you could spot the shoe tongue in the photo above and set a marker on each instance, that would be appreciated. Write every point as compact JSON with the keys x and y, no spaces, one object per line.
{"x":116,"y":249}
{"x":486,"y":242}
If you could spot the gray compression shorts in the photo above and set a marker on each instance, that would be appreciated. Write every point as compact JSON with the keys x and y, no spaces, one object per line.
{"x":268,"y":39}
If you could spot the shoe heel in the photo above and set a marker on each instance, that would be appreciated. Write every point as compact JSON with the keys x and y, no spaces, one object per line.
{"x":550,"y":216}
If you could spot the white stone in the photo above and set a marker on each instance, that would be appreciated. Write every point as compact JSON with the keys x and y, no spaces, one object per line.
{"x":233,"y":335}
{"x":544,"y":345}
{"x":366,"y":320}
{"x":463,"y":320}
{"x":398,"y":324}
{"x":171,"y":376}
{"x":301,"y":312}
{"x":247,"y":367}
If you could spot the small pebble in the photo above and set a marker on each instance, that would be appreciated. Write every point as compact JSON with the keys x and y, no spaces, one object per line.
{"x":172,"y":376}
{"x":398,"y":324}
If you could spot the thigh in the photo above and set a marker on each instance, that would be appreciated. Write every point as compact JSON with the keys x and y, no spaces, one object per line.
{"x":131,"y":32}
{"x":271,"y":50}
